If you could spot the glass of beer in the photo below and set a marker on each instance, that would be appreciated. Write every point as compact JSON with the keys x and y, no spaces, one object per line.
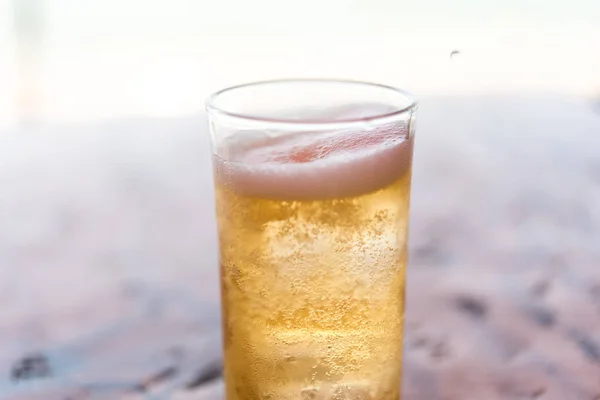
{"x":312,"y":185}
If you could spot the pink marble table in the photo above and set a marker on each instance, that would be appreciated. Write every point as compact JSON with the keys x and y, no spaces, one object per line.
{"x":108,"y":268}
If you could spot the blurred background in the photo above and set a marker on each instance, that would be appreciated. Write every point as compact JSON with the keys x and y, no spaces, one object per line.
{"x":82,"y":60}
{"x":108,"y":266}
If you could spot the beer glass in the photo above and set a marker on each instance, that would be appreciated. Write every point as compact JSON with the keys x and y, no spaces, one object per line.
{"x":312,"y":185}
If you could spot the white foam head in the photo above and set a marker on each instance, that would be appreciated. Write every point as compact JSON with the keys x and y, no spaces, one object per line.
{"x":314,"y":165}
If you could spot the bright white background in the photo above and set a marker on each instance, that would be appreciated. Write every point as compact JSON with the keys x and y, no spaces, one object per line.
{"x":99,"y":59}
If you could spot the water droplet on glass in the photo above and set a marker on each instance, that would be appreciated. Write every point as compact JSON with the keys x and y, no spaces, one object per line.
{"x":309,"y":393}
{"x":351,"y":392}
{"x":290,"y":358}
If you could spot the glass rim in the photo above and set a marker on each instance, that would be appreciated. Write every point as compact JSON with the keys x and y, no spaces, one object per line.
{"x":212,"y":108}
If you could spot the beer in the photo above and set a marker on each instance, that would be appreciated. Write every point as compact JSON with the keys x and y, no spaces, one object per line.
{"x":313,"y":232}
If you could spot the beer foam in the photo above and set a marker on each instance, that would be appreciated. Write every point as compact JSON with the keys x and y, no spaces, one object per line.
{"x":314,"y":165}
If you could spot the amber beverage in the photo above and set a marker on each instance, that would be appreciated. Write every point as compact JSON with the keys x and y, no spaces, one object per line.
{"x":312,"y":182}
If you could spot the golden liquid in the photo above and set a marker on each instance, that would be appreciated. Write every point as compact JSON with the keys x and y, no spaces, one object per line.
{"x":313,"y":294}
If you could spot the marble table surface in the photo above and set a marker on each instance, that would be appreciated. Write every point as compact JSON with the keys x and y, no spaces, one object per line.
{"x":108,"y":266}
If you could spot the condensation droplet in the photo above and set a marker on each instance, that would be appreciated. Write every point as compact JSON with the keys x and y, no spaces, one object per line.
{"x":309,"y":393}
